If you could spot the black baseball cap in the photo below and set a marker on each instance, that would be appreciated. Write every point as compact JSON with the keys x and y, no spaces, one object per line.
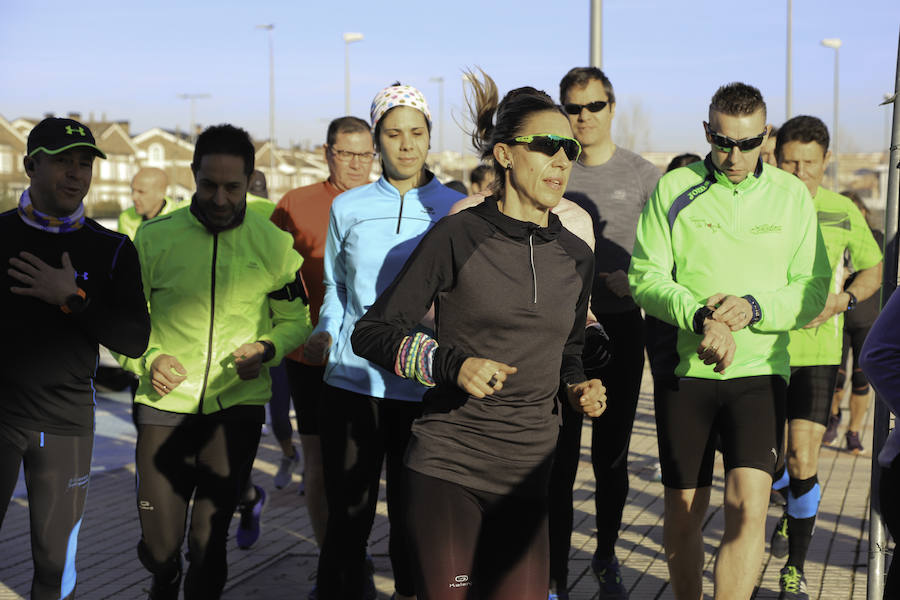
{"x":54,"y":135}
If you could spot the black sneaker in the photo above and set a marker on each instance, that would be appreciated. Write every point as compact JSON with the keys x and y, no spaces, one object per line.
{"x":609,"y":576}
{"x":793,"y":584}
{"x":778,"y":544}
{"x":831,"y":432}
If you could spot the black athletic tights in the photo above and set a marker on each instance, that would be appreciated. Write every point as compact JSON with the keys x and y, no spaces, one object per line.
{"x":57,"y":471}
{"x":208,"y":459}
{"x":471,"y":544}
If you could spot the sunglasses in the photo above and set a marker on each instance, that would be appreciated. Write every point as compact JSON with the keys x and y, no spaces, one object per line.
{"x":723,"y":143}
{"x":549,"y":144}
{"x":575,"y":109}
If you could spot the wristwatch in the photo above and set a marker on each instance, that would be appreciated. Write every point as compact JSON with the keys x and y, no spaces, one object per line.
{"x":851,"y":303}
{"x":75,"y":303}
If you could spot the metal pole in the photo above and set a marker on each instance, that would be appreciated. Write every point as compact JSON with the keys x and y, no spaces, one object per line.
{"x":788,"y":95}
{"x":272,"y":144}
{"x":193,"y":98}
{"x":596,"y":57}
{"x":346,"y":77}
{"x":440,"y":81}
{"x":877,"y":536}
{"x":836,"y":185}
{"x":349,"y":38}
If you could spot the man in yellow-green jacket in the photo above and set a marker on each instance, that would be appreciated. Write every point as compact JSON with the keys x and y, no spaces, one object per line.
{"x":226,"y":301}
{"x":148,"y":193}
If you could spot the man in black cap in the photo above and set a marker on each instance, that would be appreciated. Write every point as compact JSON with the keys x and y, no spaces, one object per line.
{"x":69,"y":285}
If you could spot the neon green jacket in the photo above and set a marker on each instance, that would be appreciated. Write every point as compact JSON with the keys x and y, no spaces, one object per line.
{"x":129,"y":220}
{"x":843,"y":228}
{"x":700,"y":234}
{"x":208,"y":294}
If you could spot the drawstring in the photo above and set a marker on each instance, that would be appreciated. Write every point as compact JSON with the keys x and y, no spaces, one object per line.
{"x":533,"y":272}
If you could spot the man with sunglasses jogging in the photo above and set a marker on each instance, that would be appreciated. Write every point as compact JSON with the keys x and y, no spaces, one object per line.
{"x":802,"y":150}
{"x":728,"y":253}
{"x":612,"y":184}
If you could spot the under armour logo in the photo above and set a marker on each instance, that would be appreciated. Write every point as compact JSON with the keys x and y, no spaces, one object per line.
{"x":71,"y":130}
{"x":83,"y":276}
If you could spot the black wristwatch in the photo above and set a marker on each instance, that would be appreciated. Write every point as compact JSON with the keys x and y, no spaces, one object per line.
{"x":703,"y":313}
{"x":75,"y":303}
{"x":851,"y":303}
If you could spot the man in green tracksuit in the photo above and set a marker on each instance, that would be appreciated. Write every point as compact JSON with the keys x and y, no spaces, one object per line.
{"x":729,"y":254}
{"x":226,"y":300}
{"x":802,"y":150}
{"x":148,"y":193}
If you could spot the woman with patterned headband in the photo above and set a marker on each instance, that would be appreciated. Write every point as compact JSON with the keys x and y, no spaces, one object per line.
{"x":366,"y":411}
{"x":510,"y":288}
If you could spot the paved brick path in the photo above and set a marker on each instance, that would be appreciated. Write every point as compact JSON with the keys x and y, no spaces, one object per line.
{"x":283,"y":562}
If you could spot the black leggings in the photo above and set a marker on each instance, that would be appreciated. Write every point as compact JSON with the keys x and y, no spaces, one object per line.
{"x":889,"y":494}
{"x":471,"y":544}
{"x":611,"y":436}
{"x":358,"y":433}
{"x":209,"y":459}
{"x":57,"y":472}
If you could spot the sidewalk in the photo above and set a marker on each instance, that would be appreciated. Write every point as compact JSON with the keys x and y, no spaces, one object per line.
{"x":282,"y":564}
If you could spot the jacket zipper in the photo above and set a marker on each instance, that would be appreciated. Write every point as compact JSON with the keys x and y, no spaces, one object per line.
{"x":212,"y":316}
{"x":533,"y":272}
{"x":400,"y":216}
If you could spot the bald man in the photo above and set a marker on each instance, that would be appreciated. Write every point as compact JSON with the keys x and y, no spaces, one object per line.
{"x":148,"y":192}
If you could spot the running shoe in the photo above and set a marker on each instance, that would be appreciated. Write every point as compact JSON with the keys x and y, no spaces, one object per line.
{"x":248,"y":528}
{"x":831,"y":432}
{"x":778,"y":544}
{"x":609,"y":577}
{"x":557,"y":592}
{"x":793,"y":584}
{"x":776,"y":498}
{"x":370,"y":593}
{"x":853,"y":443}
{"x":165,"y":590}
{"x":286,"y":469}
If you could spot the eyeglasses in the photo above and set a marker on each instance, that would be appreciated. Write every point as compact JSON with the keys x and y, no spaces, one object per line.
{"x":549,"y":144}
{"x":723,"y":143}
{"x":347,"y":156}
{"x":575,"y":109}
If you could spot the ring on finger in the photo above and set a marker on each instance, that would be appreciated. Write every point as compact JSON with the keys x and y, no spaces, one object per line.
{"x":493,"y":380}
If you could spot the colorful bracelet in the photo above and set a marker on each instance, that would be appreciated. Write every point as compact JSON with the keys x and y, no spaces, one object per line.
{"x":415,"y":358}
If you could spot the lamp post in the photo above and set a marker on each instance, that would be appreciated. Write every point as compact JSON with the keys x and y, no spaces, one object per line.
{"x":597,"y":34}
{"x":440,"y":81}
{"x":349,"y":38}
{"x":193,"y":98}
{"x":789,"y":84}
{"x":836,"y":44}
{"x":269,"y":28}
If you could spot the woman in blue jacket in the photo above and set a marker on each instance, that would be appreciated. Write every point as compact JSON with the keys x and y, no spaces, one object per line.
{"x":366,"y":412}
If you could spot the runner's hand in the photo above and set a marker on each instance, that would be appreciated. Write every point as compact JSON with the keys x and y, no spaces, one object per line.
{"x":481,"y":376}
{"x":248,"y":360}
{"x":588,"y":397}
{"x":617,"y":282}
{"x":43,"y":282}
{"x":315,"y":350}
{"x":717,"y":345}
{"x":731,"y":310}
{"x":166,"y":374}
{"x":832,"y":307}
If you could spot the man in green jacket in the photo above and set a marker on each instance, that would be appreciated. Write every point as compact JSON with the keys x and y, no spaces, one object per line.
{"x":148,"y":193}
{"x":802,"y":150}
{"x":729,"y":254}
{"x":226,"y":300}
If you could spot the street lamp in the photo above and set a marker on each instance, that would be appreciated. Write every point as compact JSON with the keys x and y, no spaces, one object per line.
{"x":193,"y":98}
{"x":269,"y":28}
{"x":349,"y":38}
{"x":789,"y":84}
{"x":836,"y":44}
{"x":440,"y":81}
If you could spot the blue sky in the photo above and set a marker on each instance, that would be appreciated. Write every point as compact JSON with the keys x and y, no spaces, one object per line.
{"x":130,"y":60}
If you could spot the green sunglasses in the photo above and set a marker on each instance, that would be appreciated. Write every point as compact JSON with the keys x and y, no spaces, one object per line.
{"x":549,"y":144}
